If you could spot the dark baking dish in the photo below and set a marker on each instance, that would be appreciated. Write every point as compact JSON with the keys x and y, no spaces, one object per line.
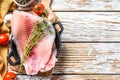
{"x":14,"y":52}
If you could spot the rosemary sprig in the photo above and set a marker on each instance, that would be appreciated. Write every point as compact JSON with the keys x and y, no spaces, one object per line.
{"x":34,"y":37}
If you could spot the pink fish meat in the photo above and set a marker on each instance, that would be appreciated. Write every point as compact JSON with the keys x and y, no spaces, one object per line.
{"x":43,"y":55}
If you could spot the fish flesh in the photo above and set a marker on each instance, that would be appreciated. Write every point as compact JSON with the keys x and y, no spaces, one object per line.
{"x":43,"y":55}
{"x":44,"y":48}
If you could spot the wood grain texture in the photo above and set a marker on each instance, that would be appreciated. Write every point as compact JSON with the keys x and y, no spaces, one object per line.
{"x":71,"y":77}
{"x":86,"y":77}
{"x":89,"y":58}
{"x":90,"y":26}
{"x":86,"y":58}
{"x":85,"y":5}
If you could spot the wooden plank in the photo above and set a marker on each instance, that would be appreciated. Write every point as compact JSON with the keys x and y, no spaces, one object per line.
{"x":86,"y":58}
{"x":28,"y":77}
{"x":86,"y":77}
{"x":71,"y":77}
{"x":85,"y":5}
{"x":89,"y":58}
{"x":90,"y":26}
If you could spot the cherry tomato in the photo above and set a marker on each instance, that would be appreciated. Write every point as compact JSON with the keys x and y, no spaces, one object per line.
{"x":10,"y":76}
{"x":39,"y":9}
{"x":4,"y":39}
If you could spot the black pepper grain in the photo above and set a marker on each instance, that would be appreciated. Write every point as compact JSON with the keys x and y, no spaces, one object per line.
{"x":22,"y":2}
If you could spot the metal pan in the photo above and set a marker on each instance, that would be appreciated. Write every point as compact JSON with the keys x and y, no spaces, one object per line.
{"x":14,"y":52}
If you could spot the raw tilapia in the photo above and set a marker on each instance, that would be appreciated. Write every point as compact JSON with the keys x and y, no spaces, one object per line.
{"x":43,"y":54}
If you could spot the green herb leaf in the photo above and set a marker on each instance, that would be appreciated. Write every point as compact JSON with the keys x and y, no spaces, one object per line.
{"x":34,"y":37}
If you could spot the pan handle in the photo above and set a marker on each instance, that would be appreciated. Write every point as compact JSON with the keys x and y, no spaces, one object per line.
{"x":60,"y":25}
{"x":58,"y":36}
{"x":11,"y":54}
{"x":14,"y":54}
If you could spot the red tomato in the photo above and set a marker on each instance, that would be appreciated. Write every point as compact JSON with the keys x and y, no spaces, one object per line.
{"x":10,"y":76}
{"x":4,"y":39}
{"x":39,"y":9}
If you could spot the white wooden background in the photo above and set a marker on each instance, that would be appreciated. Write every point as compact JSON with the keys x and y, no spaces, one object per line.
{"x":91,"y":40}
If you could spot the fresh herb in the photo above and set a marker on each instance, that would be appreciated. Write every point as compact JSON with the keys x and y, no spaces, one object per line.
{"x":35,"y":35}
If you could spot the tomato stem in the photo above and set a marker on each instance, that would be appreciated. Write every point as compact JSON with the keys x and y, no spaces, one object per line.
{"x":38,"y":8}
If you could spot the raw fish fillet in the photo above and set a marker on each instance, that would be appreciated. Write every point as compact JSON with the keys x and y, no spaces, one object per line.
{"x":22,"y":24}
{"x":51,"y":62}
{"x":42,"y":57}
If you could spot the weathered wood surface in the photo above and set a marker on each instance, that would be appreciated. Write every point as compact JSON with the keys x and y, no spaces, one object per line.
{"x":89,"y":58}
{"x":92,"y":5}
{"x":86,"y":77}
{"x":86,"y":58}
{"x":73,"y":77}
{"x":90,"y":26}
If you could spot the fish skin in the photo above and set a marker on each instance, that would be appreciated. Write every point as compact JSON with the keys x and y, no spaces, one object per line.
{"x":44,"y":47}
{"x":40,"y":59}
{"x":22,"y":24}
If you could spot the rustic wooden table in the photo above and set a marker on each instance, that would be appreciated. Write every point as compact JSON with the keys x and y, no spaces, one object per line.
{"x":90,"y":41}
